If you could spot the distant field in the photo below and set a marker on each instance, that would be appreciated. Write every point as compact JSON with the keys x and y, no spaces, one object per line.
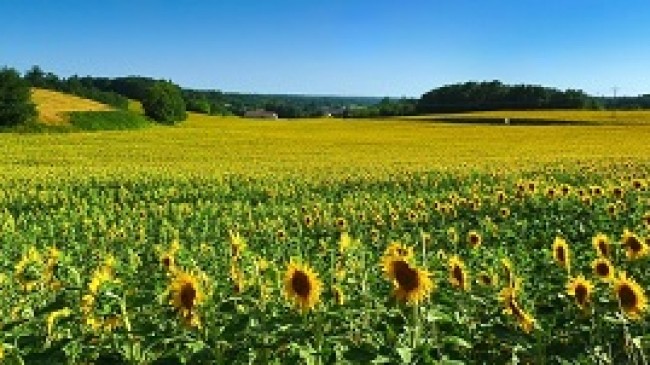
{"x":624,"y":117}
{"x":53,"y":106}
{"x":214,"y":146}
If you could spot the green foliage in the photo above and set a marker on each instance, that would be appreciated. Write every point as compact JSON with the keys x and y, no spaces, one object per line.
{"x":107,"y":120}
{"x":199,"y":105}
{"x":164,"y":103}
{"x":16,"y":106}
{"x":75,"y":85}
{"x":494,"y":95}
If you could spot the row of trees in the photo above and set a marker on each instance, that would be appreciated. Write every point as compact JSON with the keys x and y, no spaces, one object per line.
{"x":75,"y":85}
{"x":495,"y":95}
{"x":161,"y":100}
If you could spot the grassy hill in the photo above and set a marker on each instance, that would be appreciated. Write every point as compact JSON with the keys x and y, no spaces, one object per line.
{"x":54,"y":107}
{"x":61,"y":112}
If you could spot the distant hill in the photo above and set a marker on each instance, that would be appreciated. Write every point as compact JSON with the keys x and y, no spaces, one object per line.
{"x":53,"y":106}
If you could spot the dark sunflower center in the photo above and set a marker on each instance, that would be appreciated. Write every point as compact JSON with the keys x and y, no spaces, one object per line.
{"x":602,"y":247}
{"x":581,"y":294}
{"x":300,"y":284}
{"x":457,"y":273}
{"x":602,"y":269}
{"x":634,"y":244}
{"x":406,"y":277}
{"x":473,"y":239}
{"x":561,"y":254}
{"x":166,"y":261}
{"x":485,"y":279}
{"x":627,"y":297}
{"x":188,"y":295}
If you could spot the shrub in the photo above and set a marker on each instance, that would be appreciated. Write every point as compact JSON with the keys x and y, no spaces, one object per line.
{"x":164,"y":103}
{"x":16,"y":106}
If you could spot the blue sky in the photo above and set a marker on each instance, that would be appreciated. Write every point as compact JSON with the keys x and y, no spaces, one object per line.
{"x":346,"y":47}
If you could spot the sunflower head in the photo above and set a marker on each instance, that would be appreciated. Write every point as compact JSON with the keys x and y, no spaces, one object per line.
{"x":30,"y":269}
{"x":186,"y":295}
{"x":302,"y":286}
{"x":634,"y":247}
{"x":561,"y":254}
{"x":237,"y":245}
{"x":631,"y":296}
{"x":603,"y":268}
{"x":504,"y":212}
{"x":507,"y":296}
{"x":618,"y":192}
{"x":338,"y":295}
{"x":581,"y":289}
{"x":396,"y":249}
{"x":411,"y":284}
{"x":452,"y":234}
{"x":474,"y":239}
{"x":601,"y":244}
{"x":457,"y":273}
{"x":487,"y":279}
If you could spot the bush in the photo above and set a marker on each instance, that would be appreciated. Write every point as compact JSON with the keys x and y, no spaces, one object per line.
{"x":107,"y":120}
{"x":16,"y":105}
{"x":164,"y":103}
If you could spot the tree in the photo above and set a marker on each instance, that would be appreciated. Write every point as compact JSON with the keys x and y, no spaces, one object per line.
{"x":35,"y":76}
{"x":164,"y":103}
{"x":16,"y":106}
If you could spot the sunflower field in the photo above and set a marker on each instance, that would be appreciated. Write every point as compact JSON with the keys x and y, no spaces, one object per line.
{"x":426,"y":265}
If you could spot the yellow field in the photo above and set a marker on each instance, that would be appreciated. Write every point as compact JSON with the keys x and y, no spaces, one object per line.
{"x":52,"y":106}
{"x":624,"y":117}
{"x":212,"y":146}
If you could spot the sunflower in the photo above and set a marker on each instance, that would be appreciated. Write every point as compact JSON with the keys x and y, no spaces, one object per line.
{"x":237,"y":278}
{"x":474,"y":239}
{"x":302,"y":286}
{"x":457,"y":273}
{"x":486,"y":278}
{"x":398,"y":250}
{"x":29,"y":270}
{"x":338,"y":295}
{"x":603,"y":268}
{"x":581,"y":289}
{"x":634,"y":247}
{"x":565,"y":189}
{"x":561,"y":253}
{"x":344,"y":242}
{"x":452,"y":234}
{"x":411,"y":284}
{"x":341,"y":224}
{"x":508,"y":272}
{"x":237,"y":245}
{"x":504,"y":212}
{"x":96,"y":307}
{"x":630,"y":296}
{"x":618,"y":192}
{"x":186,"y":295}
{"x":601,"y":244}
{"x":508,"y":298}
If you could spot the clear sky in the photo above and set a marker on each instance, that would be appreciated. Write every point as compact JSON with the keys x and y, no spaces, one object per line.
{"x":347,"y":47}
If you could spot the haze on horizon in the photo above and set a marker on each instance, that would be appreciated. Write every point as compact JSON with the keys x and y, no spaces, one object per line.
{"x":337,"y":47}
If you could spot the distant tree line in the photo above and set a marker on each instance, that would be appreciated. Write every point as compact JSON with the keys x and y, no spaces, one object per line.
{"x":75,"y":85}
{"x":494,"y":95}
{"x":626,"y":102}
